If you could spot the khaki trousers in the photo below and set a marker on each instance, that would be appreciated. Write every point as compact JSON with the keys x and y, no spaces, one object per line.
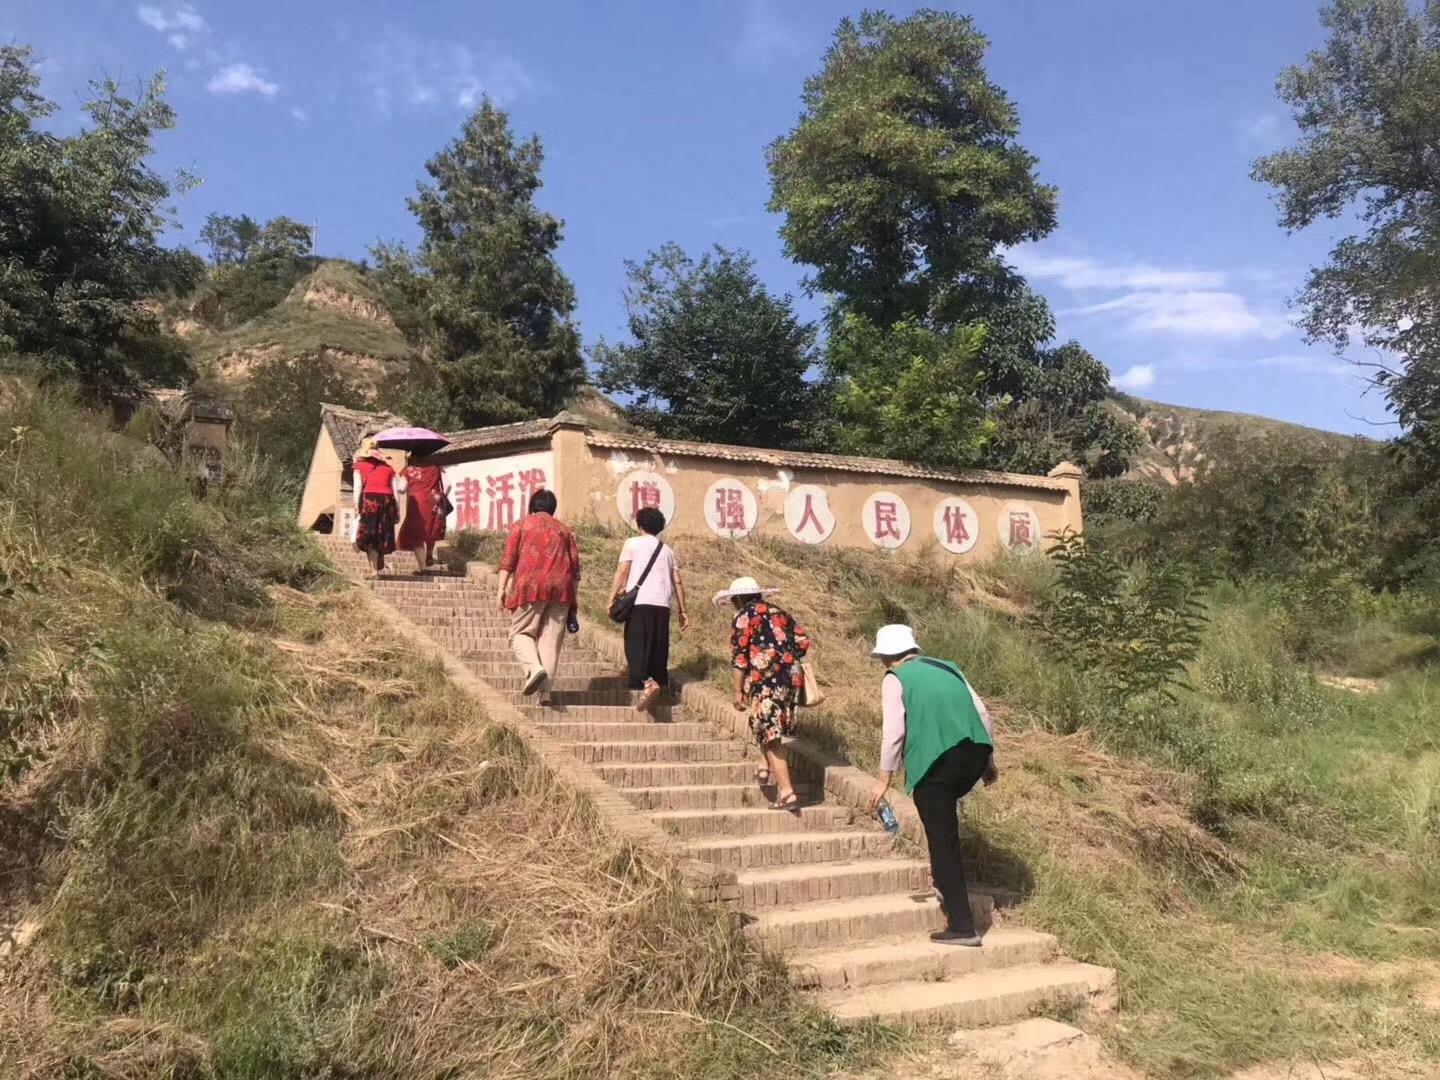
{"x":536,"y":634}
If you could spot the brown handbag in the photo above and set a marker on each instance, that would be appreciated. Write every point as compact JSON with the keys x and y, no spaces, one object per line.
{"x":810,"y":692}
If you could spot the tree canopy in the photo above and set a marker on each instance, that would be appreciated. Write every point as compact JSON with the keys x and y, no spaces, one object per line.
{"x":483,"y":295}
{"x":714,"y":355}
{"x":80,"y":220}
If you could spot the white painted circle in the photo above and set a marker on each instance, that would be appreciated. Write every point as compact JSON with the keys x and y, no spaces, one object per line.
{"x":644,"y":488}
{"x":1019,"y":528}
{"x":957,"y":526}
{"x":731,"y":508}
{"x":885,"y":519}
{"x":808,"y":515}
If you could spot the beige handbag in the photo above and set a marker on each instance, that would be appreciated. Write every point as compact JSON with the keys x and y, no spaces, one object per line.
{"x":810,"y":692}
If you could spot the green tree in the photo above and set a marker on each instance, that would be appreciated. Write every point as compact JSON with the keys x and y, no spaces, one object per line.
{"x":1368,"y":109}
{"x":230,"y":239}
{"x":492,"y":308}
{"x":80,"y":219}
{"x":903,"y":176}
{"x":277,"y":407}
{"x":714,"y":354}
{"x":901,"y":184}
{"x":908,"y":392}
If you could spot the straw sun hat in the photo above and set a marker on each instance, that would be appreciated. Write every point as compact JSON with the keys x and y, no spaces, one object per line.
{"x":742,"y":586}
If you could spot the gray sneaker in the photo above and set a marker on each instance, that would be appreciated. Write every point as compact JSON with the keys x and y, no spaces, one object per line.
{"x":532,"y":684}
{"x":956,"y":937}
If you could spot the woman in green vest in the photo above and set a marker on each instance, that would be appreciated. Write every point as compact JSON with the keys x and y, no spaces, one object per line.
{"x":940,"y":729}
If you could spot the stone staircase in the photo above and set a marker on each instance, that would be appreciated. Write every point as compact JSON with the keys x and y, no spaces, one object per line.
{"x":847,"y":905}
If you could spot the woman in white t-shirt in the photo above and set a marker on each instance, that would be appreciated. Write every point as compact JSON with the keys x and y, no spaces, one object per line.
{"x":647,"y":630}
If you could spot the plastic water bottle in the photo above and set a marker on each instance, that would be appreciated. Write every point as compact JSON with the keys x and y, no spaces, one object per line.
{"x":888,"y":820}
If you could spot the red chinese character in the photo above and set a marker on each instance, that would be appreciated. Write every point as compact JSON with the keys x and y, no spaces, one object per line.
{"x":1020,"y":535}
{"x":730,"y":509}
{"x":887,"y":520}
{"x":955,"y":530}
{"x":502,"y":501}
{"x":467,"y":504}
{"x":643,"y":494}
{"x":531,"y":481}
{"x":810,"y":517}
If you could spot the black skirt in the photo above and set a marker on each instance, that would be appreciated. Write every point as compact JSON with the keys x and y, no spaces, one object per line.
{"x":647,"y":645}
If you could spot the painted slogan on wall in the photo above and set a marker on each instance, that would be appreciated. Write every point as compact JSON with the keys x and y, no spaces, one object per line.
{"x":492,"y":494}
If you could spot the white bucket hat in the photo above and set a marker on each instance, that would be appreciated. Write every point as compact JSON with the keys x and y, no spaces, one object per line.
{"x":742,"y":586}
{"x":894,"y":640}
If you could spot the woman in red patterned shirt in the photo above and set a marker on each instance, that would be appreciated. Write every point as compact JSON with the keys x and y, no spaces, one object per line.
{"x":539,"y":584}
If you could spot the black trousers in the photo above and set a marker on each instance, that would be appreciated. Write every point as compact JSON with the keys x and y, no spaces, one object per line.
{"x":937,"y":798}
{"x":647,"y":645}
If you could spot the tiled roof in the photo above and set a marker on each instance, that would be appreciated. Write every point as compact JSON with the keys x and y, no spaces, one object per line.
{"x":829,"y":462}
{"x":524,"y":431}
{"x":348,"y":426}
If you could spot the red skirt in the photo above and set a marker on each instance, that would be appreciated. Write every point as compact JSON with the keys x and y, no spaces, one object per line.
{"x":423,"y":523}
{"x":376,"y":530}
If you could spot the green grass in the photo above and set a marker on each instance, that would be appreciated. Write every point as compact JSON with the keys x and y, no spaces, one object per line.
{"x":297,"y":328}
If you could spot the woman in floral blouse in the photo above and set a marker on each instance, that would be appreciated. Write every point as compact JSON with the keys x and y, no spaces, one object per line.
{"x":766,"y":645}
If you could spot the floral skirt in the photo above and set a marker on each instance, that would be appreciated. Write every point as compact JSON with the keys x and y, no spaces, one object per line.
{"x":772,"y":712}
{"x":376,"y":530}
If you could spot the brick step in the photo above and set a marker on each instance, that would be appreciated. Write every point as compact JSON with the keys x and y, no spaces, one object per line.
{"x":777,"y":886}
{"x":987,"y":997}
{"x":789,"y":849}
{"x":617,"y":732}
{"x":569,"y":699}
{"x":510,"y":676}
{"x":566,"y":682}
{"x":599,"y":714}
{"x":860,"y":920}
{"x":625,"y":777}
{"x":465,"y":638}
{"x":918,"y":959}
{"x":458,"y":618}
{"x":744,"y":821}
{"x":601,"y":753}
{"x":704,"y":796}
{"x":501,"y":654}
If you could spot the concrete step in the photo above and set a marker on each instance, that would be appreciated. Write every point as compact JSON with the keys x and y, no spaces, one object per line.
{"x":703,"y":796}
{"x":789,"y":849}
{"x":982,"y":999}
{"x":808,"y":884}
{"x":858,"y":920}
{"x":602,"y":753}
{"x":616,"y":732}
{"x":627,"y":776}
{"x":744,"y":821}
{"x":597,"y":714}
{"x":917,"y":959}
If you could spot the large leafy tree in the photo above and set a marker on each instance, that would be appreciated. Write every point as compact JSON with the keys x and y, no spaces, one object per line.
{"x":483,"y":295}
{"x":1368,"y":109}
{"x":902,"y":184}
{"x":714,"y":355}
{"x":80,"y":220}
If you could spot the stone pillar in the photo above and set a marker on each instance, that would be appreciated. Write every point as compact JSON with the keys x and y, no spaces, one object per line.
{"x":572,"y":461}
{"x":1071,"y":476}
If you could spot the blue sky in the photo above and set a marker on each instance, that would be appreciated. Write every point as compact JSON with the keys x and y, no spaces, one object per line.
{"x":1167,"y":263}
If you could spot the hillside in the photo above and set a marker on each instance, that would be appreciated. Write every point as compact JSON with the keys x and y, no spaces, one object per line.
{"x":1176,"y":438}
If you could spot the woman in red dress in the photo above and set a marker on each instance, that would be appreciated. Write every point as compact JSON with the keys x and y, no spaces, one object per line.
{"x":424,"y":524}
{"x":376,"y":486}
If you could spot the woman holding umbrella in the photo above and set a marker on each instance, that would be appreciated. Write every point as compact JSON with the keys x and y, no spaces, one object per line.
{"x":426,"y":507}
{"x":423,"y":481}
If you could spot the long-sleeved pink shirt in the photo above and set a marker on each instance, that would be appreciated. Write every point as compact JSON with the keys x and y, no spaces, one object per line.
{"x":892,"y":709}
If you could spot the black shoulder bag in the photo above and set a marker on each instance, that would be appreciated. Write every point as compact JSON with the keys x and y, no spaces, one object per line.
{"x":621,"y":606}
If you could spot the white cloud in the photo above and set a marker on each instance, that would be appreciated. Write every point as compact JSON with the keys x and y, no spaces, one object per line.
{"x":1304,"y":364}
{"x":241,"y":79}
{"x":1192,"y":313}
{"x":1261,"y":131}
{"x":764,"y":37}
{"x":181,"y":24}
{"x":405,"y":73}
{"x":299,"y":114}
{"x":1081,"y":273}
{"x":1137,"y":377}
